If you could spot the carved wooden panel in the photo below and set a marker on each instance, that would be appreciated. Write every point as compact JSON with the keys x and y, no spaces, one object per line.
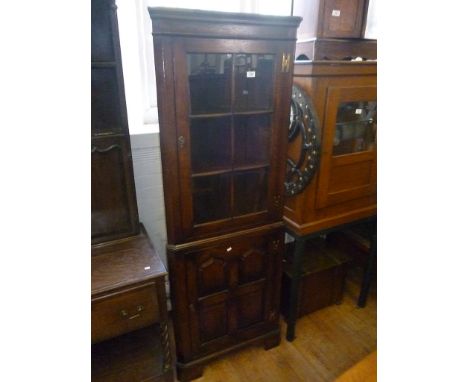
{"x":113,"y":204}
{"x":250,"y":307}
{"x":213,"y":321}
{"x":211,"y":276}
{"x":229,"y":288}
{"x":252,"y":265}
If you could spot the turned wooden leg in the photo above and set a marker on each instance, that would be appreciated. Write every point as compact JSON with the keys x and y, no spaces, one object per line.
{"x":272,"y":341}
{"x":186,"y":374}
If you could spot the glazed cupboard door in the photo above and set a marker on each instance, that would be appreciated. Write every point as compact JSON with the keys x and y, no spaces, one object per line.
{"x":228,"y":133}
{"x":348,"y":168}
{"x":231,"y":289}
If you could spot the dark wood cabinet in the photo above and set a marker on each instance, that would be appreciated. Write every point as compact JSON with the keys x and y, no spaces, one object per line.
{"x":114,"y":213}
{"x":331,"y":18}
{"x":223,"y":83}
{"x":129,"y":320}
{"x":344,"y":189}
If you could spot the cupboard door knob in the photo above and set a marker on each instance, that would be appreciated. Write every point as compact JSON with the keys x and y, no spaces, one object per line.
{"x":181,"y":141}
{"x":123,"y":313}
{"x":140,"y":308}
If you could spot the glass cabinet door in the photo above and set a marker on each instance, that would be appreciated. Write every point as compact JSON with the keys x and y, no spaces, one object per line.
{"x":348,"y":162}
{"x":229,"y":129}
{"x":355,"y":127}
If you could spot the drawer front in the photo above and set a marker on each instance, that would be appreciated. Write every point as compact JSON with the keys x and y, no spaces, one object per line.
{"x":123,"y":312}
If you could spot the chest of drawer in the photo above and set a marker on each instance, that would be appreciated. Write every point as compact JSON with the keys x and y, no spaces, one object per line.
{"x":124,"y":311}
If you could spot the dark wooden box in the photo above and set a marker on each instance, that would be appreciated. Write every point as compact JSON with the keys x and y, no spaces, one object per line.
{"x":322,"y":280}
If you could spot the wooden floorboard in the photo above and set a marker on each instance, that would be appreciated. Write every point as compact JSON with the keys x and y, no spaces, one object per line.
{"x":329,"y":342}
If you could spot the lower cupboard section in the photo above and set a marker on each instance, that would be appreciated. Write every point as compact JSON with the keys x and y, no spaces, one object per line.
{"x":225,"y":293}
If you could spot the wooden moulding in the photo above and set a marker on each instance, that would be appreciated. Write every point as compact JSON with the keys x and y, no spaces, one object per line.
{"x":318,"y":49}
{"x":194,"y":369}
{"x":196,"y":23}
{"x":334,"y":68}
{"x":213,"y":241}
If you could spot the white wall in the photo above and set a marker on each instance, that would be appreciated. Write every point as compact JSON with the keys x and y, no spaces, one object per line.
{"x":148,"y":183}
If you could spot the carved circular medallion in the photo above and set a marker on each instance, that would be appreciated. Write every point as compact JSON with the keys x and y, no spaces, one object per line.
{"x":304,"y":132}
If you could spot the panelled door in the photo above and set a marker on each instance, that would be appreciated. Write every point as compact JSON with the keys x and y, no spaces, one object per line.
{"x":348,"y":168}
{"x":231,"y":287}
{"x":227,"y":125}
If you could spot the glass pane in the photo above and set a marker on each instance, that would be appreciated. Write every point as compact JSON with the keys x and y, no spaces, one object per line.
{"x":250,"y":191}
{"x":252,"y":140}
{"x":253,"y":81}
{"x":209,"y":82}
{"x":210,"y":144}
{"x":356,"y":127}
{"x":211,"y":198}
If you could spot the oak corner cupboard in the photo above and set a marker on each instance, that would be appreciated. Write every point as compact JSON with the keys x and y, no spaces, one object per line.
{"x":224,"y":87}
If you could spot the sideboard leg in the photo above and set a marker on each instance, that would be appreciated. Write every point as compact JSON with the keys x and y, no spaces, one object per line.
{"x":293,"y":296}
{"x":368,"y":273}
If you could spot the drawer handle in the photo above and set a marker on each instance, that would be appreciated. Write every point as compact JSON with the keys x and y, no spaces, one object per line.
{"x":124,"y":313}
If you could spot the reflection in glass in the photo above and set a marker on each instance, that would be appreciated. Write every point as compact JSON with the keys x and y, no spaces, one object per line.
{"x":231,"y":106}
{"x":211,"y":144}
{"x":253,"y":81}
{"x":250,"y":191}
{"x":211,"y":198}
{"x":252,"y":140}
{"x":356,"y":127}
{"x":209,"y":82}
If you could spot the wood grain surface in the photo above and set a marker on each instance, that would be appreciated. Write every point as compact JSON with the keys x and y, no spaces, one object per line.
{"x":123,"y":262}
{"x":363,"y":371}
